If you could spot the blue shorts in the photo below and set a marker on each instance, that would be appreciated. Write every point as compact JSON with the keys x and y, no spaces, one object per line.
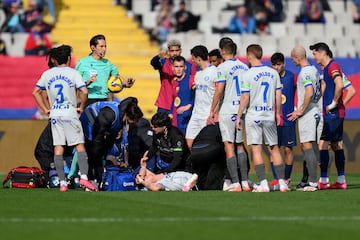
{"x":287,"y":136}
{"x":333,"y":130}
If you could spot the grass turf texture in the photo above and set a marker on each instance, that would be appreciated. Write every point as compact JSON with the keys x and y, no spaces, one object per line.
{"x":49,"y":214}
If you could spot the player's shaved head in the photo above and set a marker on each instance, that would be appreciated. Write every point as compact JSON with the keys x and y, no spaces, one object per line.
{"x":298,"y":51}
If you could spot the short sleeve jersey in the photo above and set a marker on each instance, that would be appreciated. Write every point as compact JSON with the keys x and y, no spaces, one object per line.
{"x":103,"y":69}
{"x":60,"y":84}
{"x":288,"y":89}
{"x":261,"y":82}
{"x":308,"y":77}
{"x":331,"y":71}
{"x":230,"y":72}
{"x":204,"y":92}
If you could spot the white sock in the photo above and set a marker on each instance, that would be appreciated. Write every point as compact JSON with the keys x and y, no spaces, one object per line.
{"x":324,"y":180}
{"x":84,"y":176}
{"x":341,"y":179}
{"x":63,"y":182}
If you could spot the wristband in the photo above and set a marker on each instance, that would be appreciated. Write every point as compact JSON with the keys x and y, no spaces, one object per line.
{"x":332,"y":105}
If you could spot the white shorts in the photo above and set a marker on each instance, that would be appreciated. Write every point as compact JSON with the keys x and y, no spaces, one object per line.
{"x":308,"y":125}
{"x":194,"y":127}
{"x":175,"y":180}
{"x":258,"y":132}
{"x":66,"y":131}
{"x":229,"y":132}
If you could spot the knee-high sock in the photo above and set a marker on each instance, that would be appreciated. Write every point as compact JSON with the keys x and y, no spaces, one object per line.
{"x":59,"y":165}
{"x":311,"y":163}
{"x":340,"y":162}
{"x":242,"y":162}
{"x":83,"y":163}
{"x":260,"y":171}
{"x":280,"y":171}
{"x":324,"y":162}
{"x":231,"y":164}
{"x":305,"y":177}
{"x":273,"y":170}
{"x":288,"y":170}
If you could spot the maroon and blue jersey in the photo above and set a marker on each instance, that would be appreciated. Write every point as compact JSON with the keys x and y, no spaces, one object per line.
{"x":331,"y":71}
{"x":183,"y":95}
{"x":288,"y":90}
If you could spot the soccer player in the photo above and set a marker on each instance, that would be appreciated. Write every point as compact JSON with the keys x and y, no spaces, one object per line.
{"x":163,"y":63}
{"x":286,"y":129}
{"x":205,"y":80}
{"x":333,"y":113}
{"x":215,"y":57}
{"x":225,"y":103}
{"x":173,"y":181}
{"x":96,"y":70}
{"x":307,"y":113}
{"x":350,"y":93}
{"x":183,"y":99}
{"x":61,"y":84}
{"x":261,"y":96}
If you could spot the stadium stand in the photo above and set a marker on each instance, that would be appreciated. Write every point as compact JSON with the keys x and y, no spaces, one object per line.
{"x":129,"y":47}
{"x":216,"y":14}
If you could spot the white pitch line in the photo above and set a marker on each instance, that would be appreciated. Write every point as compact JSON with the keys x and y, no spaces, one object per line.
{"x":181,"y":219}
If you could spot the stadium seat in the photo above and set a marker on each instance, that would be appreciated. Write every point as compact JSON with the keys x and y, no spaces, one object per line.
{"x":149,"y":20}
{"x":211,"y":41}
{"x":15,"y":43}
{"x":224,"y":18}
{"x":334,"y":30}
{"x":141,"y":6}
{"x":277,"y":29}
{"x":345,"y":47}
{"x":296,"y":29}
{"x":217,"y":5}
{"x":314,"y":29}
{"x":285,"y":44}
{"x":268,"y":44}
{"x":344,"y":18}
{"x":337,"y":6}
{"x":246,"y":40}
{"x":2,"y":17}
{"x":197,"y":7}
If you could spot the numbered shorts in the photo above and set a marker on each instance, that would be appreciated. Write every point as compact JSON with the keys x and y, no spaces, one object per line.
{"x":258,"y":131}
{"x":229,"y":132}
{"x":66,"y":131}
{"x":308,"y":125}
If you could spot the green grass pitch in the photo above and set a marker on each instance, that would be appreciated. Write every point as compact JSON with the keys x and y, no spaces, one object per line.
{"x":76,"y":214}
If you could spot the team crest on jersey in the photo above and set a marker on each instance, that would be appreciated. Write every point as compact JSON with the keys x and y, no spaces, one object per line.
{"x":206,"y":78}
{"x":233,"y":118}
{"x":53,"y":121}
{"x":283,"y":99}
{"x":179,"y":144}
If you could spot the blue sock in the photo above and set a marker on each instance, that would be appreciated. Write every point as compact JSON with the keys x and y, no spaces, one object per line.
{"x":288,"y":170}
{"x":273,"y":170}
{"x":324,"y":162}
{"x":340,"y":162}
